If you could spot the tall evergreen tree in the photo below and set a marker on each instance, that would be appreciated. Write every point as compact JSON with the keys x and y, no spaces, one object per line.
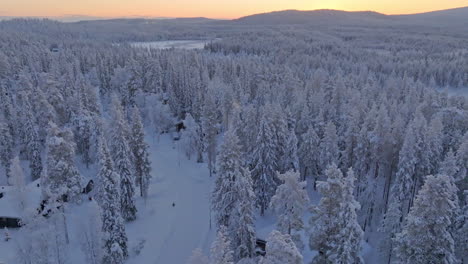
{"x":221,"y":252}
{"x":280,"y":249}
{"x":209,"y":127}
{"x":264,"y":164}
{"x":329,"y":152}
{"x":289,"y":202}
{"x":122,"y":155}
{"x":425,"y":237}
{"x":335,"y":232}
{"x":6,"y":148}
{"x":114,"y":235}
{"x":140,"y":154}
{"x":309,"y":155}
{"x":225,"y":195}
{"x":61,"y":177}
{"x":242,"y":224}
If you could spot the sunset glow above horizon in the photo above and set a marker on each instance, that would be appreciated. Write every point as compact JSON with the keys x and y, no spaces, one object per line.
{"x":209,"y":8}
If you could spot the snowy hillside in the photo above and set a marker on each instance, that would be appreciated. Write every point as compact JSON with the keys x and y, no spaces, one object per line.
{"x":295,"y":137}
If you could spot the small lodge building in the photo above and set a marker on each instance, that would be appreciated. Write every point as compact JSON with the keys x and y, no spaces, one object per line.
{"x":10,"y":211}
{"x":54,"y":48}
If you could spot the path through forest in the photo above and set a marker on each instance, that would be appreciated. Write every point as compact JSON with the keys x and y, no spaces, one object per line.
{"x":170,"y":232}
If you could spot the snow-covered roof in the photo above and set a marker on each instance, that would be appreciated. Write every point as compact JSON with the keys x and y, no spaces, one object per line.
{"x":9,"y":203}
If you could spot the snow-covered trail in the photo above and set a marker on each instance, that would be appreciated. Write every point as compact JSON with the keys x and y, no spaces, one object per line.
{"x":171,"y":233}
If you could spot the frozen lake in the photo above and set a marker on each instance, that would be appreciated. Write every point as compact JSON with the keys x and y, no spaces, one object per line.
{"x":168,"y":44}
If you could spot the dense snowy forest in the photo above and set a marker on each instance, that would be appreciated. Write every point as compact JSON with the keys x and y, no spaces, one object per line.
{"x":332,"y":143}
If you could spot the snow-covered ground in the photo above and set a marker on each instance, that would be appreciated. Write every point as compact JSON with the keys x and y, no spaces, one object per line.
{"x":178,"y":44}
{"x":171,"y":233}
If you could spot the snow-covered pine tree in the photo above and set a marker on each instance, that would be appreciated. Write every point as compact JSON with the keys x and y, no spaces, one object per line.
{"x":6,"y":148}
{"x":329,"y":152}
{"x":243,"y":230}
{"x":289,"y":202}
{"x":264,"y":164}
{"x":17,"y":180}
{"x":309,"y":155}
{"x":391,"y":225}
{"x":241,"y":225}
{"x":461,"y":229}
{"x":448,"y":166}
{"x":290,"y":157}
{"x":140,"y":154}
{"x":35,"y":163}
{"x":60,"y":177}
{"x":335,"y":232}
{"x":462,"y":159}
{"x":209,"y":125}
{"x":280,"y":249}
{"x":233,"y":195}
{"x":83,"y":122}
{"x":226,"y":195}
{"x":425,"y":237}
{"x":221,"y":252}
{"x":122,"y":156}
{"x":433,"y":152}
{"x":405,"y":175}
{"x":114,"y":235}
{"x":190,"y":137}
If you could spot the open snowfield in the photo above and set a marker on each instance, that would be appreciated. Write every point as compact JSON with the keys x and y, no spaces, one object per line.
{"x":172,"y":233}
{"x":169,"y":44}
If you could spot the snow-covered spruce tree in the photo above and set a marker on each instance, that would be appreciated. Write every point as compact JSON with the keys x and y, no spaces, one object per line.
{"x":225,"y":194}
{"x":289,"y":203}
{"x":405,"y":175}
{"x":391,"y":225}
{"x":221,"y":252}
{"x":241,"y":225}
{"x":335,"y":232}
{"x":264,"y":164}
{"x":60,"y":177}
{"x":433,"y":152}
{"x":113,"y":229}
{"x":122,"y":156}
{"x":140,"y":154}
{"x":83,"y":123}
{"x":280,"y":249}
{"x":6,"y":148}
{"x":190,"y":137}
{"x":461,"y":229}
{"x":290,"y":157}
{"x":209,"y":125}
{"x":35,"y":163}
{"x":17,"y":180}
{"x":425,"y":237}
{"x":448,"y":166}
{"x":243,"y":230}
{"x":232,"y":197}
{"x":462,"y":159}
{"x":281,"y":134}
{"x":309,"y":155}
{"x":329,"y":152}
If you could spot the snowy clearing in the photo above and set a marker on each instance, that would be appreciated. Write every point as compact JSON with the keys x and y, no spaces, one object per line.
{"x":169,"y":44}
{"x":175,"y":231}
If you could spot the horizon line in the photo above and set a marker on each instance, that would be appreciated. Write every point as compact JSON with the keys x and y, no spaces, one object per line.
{"x":83,"y":17}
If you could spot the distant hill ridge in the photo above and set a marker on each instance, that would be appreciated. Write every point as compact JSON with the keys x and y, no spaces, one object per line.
{"x":328,"y":16}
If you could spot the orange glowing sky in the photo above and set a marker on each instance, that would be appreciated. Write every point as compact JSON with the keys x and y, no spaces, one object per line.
{"x":210,"y":8}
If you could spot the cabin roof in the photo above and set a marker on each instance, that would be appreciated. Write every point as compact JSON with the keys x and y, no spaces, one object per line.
{"x":9,"y":206}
